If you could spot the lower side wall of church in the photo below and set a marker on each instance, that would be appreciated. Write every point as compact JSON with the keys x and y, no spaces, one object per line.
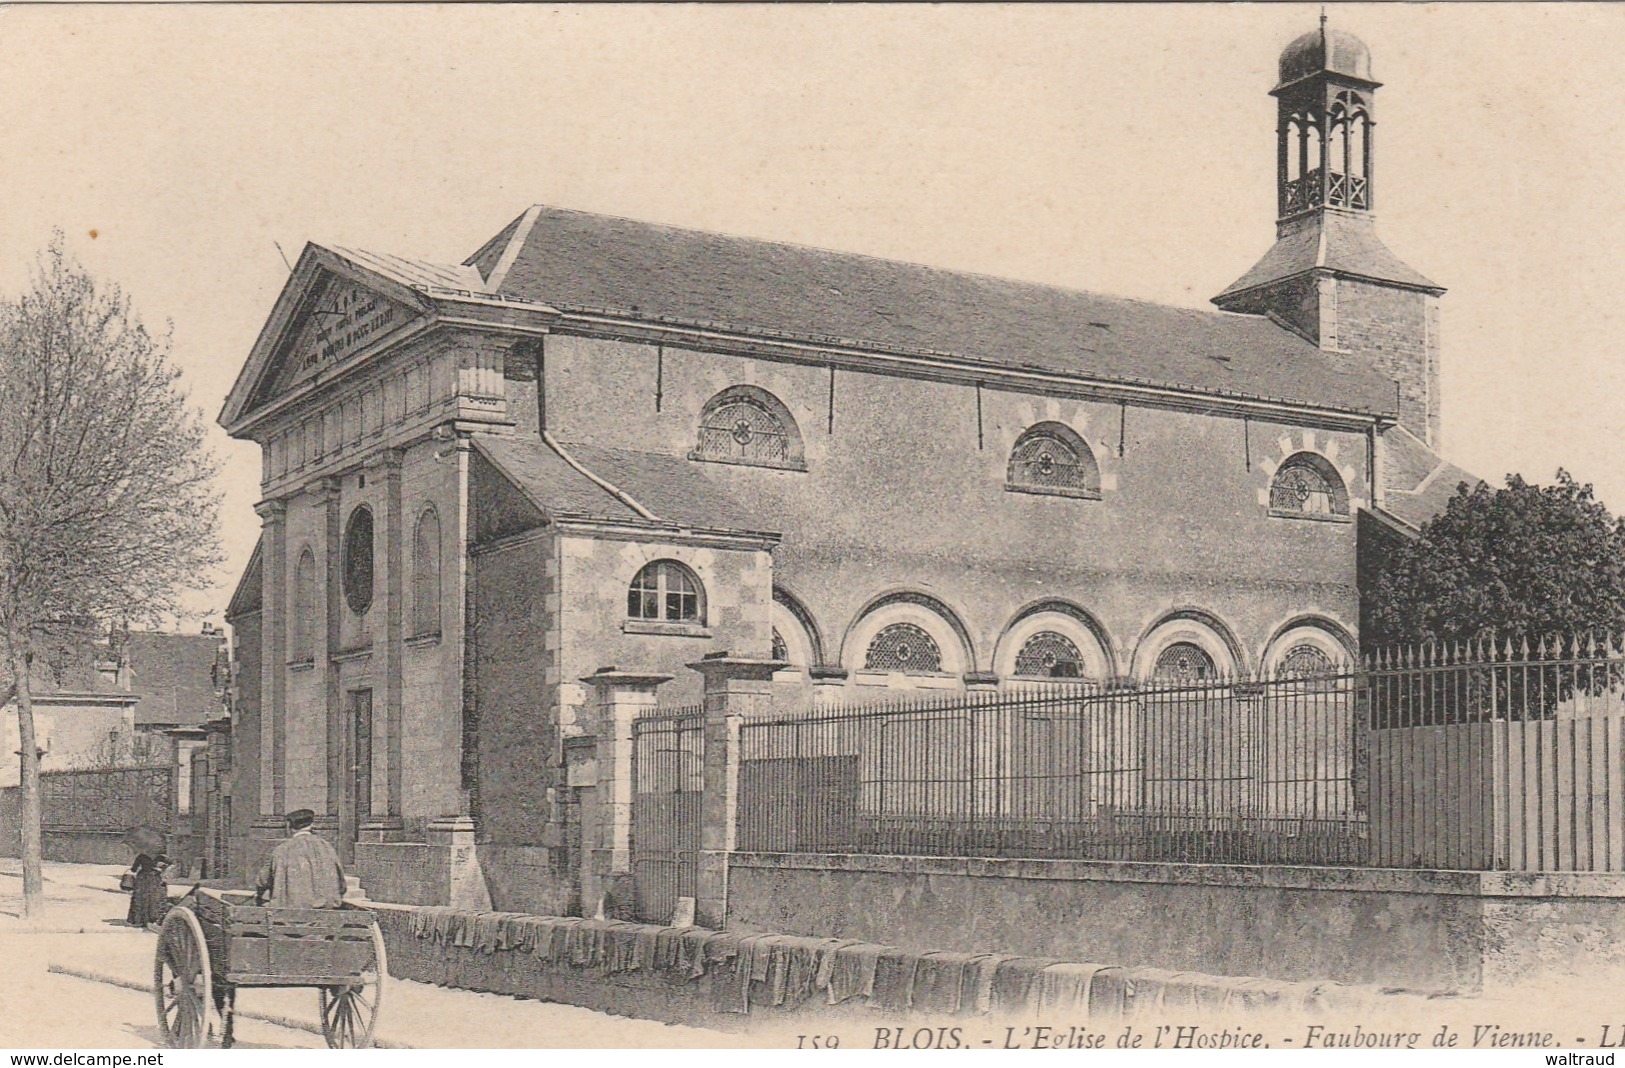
{"x":431,"y":745}
{"x":521,"y":848}
{"x":529,"y":879}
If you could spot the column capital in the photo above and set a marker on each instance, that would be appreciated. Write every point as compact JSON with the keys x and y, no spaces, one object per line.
{"x":271,"y":509}
{"x":325,"y":489}
{"x":387,"y":461}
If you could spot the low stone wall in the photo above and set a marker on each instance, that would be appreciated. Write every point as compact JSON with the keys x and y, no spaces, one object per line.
{"x":1456,"y":932}
{"x":729,"y":981}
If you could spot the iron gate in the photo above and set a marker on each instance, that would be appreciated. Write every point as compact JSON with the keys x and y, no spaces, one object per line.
{"x":667,"y":778}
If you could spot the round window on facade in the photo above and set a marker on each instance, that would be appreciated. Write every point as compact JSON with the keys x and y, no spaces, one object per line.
{"x":358,"y":561}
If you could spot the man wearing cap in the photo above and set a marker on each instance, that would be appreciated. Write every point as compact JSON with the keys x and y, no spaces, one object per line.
{"x":302,"y":872}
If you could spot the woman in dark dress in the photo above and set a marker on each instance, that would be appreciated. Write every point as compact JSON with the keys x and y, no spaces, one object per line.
{"x":149,"y":899}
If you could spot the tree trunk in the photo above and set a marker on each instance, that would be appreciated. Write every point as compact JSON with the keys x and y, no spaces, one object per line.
{"x":33,"y":879}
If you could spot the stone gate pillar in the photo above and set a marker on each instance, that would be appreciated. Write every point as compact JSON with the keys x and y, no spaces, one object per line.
{"x":735,"y":688}
{"x":622,"y":696}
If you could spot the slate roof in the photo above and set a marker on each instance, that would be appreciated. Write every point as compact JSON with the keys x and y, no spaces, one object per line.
{"x":553,"y":485}
{"x":1420,"y":484}
{"x":577,"y":261}
{"x":174,"y":676}
{"x":1336,"y":241}
{"x":169,"y":678}
{"x":249,"y":595}
{"x":417,"y":273}
{"x":677,"y":492}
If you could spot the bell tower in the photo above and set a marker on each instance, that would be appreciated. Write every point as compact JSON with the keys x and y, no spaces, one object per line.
{"x":1329,"y":277}
{"x":1325,"y":105}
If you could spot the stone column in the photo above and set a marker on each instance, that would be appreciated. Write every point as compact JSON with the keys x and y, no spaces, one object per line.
{"x":623,"y":696}
{"x":735,"y":688}
{"x":338,"y":768}
{"x":385,"y":819}
{"x":456,"y":624}
{"x":273,"y":662}
{"x":990,"y":792}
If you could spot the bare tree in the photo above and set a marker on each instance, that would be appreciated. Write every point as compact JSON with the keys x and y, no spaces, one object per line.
{"x":108,"y":506}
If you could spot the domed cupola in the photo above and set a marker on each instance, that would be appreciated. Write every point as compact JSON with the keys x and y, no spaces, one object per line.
{"x":1325,"y":51}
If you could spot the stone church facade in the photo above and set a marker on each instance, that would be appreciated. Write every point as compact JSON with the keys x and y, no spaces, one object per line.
{"x":604,"y":449}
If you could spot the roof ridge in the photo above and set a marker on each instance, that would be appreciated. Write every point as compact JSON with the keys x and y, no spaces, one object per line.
{"x":510,"y":225}
{"x":1439,"y":464}
{"x":516,"y":242}
{"x":1204,"y":313}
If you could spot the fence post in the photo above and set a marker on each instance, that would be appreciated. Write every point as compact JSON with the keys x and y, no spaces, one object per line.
{"x":623,"y":696}
{"x":735,"y":687}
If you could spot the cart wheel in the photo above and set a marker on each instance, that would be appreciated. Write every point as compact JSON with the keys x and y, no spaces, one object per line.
{"x":181,"y":982}
{"x":349,"y":1012}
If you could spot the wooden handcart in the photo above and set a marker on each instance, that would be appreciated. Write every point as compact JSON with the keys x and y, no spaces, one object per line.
{"x":215,"y":941}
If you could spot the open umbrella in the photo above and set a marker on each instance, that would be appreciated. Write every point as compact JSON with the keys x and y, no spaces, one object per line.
{"x":144,"y":839}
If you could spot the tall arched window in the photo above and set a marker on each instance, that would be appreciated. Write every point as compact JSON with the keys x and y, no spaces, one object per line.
{"x":747,"y":425}
{"x":667,"y":592}
{"x":1184,"y":662}
{"x":1307,"y":485}
{"x":358,"y":560}
{"x":903,"y":647}
{"x":426,"y":575}
{"x":1052,"y":458}
{"x":304,"y":608}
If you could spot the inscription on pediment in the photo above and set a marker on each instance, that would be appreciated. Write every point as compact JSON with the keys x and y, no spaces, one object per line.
{"x":341,"y":319}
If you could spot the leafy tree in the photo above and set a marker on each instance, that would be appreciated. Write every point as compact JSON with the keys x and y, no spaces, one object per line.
{"x":108,"y":509}
{"x":1527,"y":560}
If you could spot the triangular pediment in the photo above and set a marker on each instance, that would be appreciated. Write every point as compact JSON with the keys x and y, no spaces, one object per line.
{"x":338,"y":320}
{"x":332,"y":313}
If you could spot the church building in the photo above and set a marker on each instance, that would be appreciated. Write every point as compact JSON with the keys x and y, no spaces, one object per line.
{"x":599,"y":443}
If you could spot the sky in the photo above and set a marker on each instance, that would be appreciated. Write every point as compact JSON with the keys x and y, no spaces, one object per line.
{"x":1124,"y":149}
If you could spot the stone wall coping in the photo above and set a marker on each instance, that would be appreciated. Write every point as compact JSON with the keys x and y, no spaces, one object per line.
{"x":612,"y":676}
{"x":1353,"y":880}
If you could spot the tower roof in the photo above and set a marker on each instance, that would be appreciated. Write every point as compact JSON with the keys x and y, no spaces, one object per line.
{"x":1325,"y":49}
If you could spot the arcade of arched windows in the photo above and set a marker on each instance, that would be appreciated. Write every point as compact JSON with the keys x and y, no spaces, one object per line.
{"x":1057,"y":642}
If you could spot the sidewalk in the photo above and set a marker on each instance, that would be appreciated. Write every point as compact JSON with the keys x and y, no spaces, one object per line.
{"x":78,"y":937}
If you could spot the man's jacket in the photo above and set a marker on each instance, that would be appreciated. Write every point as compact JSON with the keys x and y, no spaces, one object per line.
{"x":303,"y":873}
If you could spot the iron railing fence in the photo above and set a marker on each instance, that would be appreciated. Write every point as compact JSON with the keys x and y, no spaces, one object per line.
{"x":1499,"y":754}
{"x":108,"y":799}
{"x":1220,"y":770}
{"x":668,"y":778}
{"x":1493,"y":678}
